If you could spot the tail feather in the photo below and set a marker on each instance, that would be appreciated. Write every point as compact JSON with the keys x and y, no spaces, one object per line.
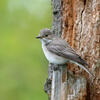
{"x":82,"y":65}
{"x":86,"y":69}
{"x":82,"y":61}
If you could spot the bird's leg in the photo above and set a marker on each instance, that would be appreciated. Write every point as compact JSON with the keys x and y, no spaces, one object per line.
{"x":61,"y":64}
{"x":57,"y":66}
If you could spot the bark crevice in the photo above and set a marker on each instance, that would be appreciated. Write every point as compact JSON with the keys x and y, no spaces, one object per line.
{"x":81,"y":30}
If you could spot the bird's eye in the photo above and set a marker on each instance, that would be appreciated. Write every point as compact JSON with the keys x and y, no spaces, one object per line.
{"x":46,"y":35}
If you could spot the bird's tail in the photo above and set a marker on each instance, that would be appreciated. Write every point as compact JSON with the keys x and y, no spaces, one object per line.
{"x":86,"y":69}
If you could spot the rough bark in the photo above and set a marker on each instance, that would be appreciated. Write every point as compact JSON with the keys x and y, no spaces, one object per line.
{"x":78,"y":22}
{"x":81,"y":28}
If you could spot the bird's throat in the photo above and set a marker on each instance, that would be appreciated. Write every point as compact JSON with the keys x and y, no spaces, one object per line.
{"x":45,"y":41}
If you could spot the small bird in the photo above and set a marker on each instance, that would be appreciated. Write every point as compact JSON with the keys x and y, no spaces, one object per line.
{"x":58,"y":51}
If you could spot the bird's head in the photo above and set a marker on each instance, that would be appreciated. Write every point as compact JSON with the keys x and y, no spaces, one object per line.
{"x":45,"y":35}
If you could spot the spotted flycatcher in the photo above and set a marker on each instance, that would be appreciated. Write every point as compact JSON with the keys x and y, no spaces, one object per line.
{"x":58,"y":51}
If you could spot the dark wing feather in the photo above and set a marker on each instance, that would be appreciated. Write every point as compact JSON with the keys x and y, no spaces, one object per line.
{"x":62,"y":48}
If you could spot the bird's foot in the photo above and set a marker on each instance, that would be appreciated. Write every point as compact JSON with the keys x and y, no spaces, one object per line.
{"x":57,"y":66}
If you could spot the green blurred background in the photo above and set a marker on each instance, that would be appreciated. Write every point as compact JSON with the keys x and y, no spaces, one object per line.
{"x":23,"y":67}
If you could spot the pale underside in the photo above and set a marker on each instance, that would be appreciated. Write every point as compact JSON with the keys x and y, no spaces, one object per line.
{"x":53,"y":58}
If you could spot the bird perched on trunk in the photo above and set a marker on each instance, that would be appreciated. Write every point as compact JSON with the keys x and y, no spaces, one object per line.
{"x":58,"y":51}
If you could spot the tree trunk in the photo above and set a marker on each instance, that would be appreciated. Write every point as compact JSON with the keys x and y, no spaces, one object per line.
{"x":78,"y":22}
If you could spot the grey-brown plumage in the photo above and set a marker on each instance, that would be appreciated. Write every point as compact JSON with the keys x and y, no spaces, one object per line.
{"x":62,"y":48}
{"x":58,"y":51}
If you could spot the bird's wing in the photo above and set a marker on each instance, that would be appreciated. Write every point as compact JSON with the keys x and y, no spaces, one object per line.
{"x":62,"y":48}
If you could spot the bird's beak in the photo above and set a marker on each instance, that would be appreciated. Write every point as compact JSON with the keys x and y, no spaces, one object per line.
{"x":38,"y":37}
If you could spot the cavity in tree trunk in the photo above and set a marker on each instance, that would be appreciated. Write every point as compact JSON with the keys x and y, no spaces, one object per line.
{"x":78,"y":22}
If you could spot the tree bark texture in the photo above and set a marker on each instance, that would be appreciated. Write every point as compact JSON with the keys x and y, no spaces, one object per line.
{"x":81,"y":28}
{"x":78,"y":22}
